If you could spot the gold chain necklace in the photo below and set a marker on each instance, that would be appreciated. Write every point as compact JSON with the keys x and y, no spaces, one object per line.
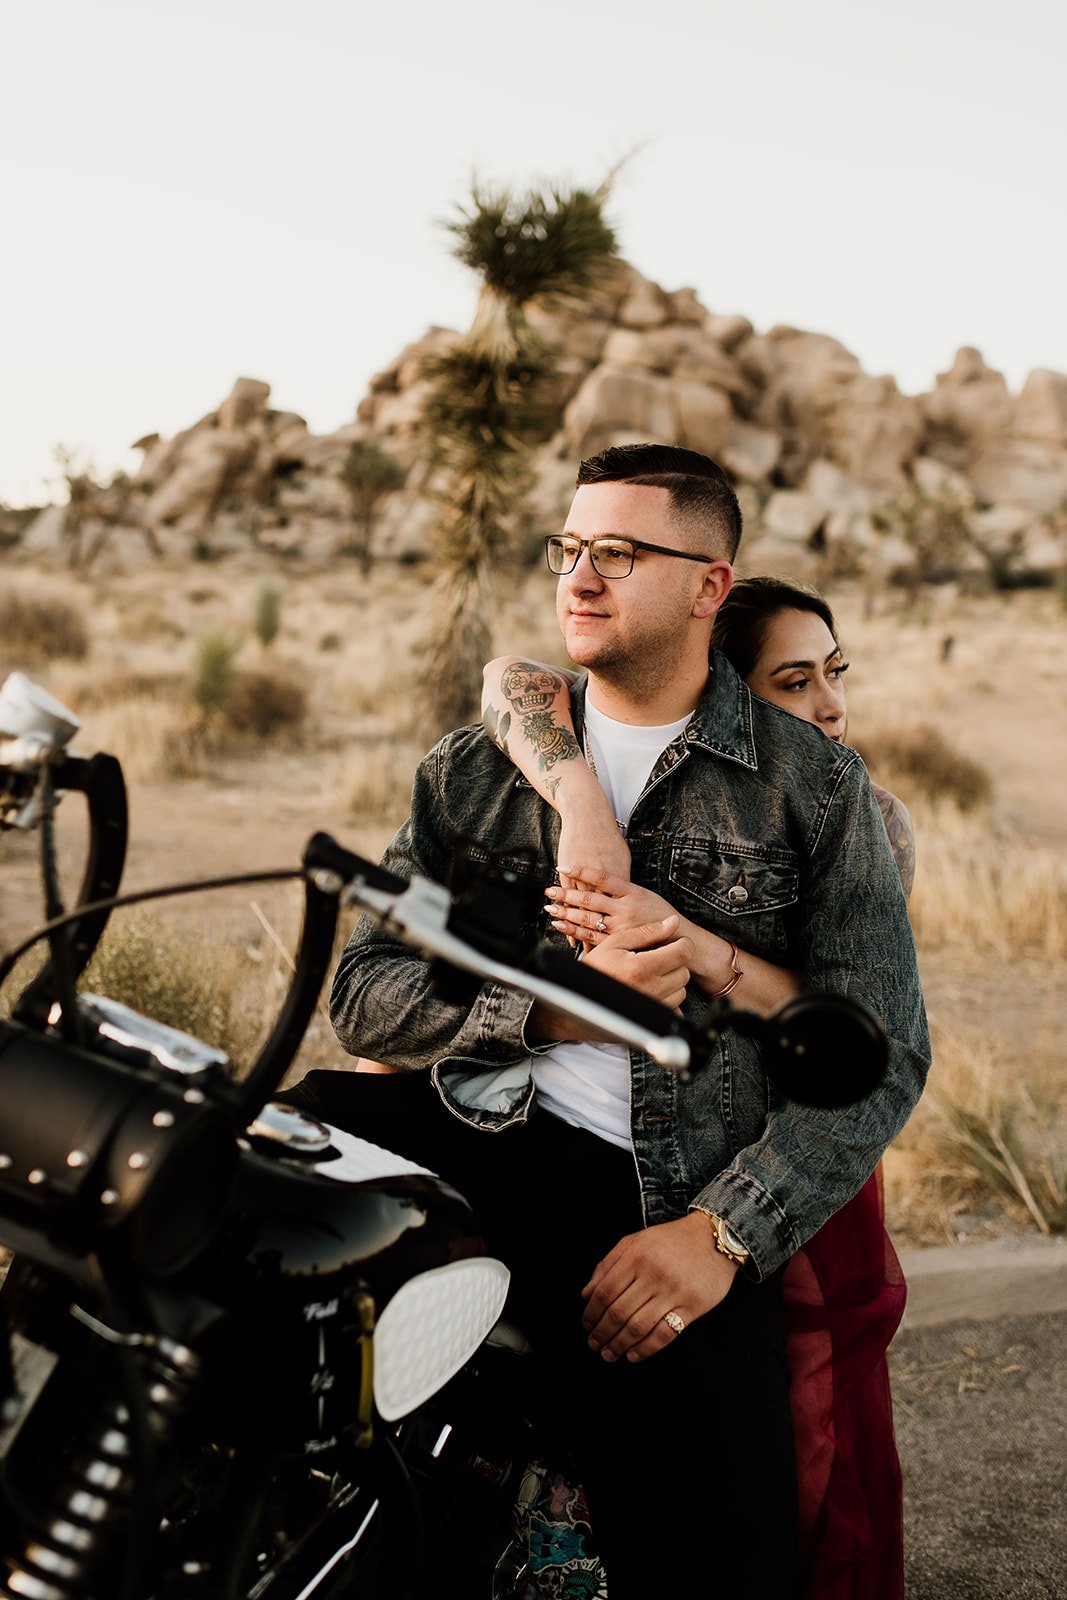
{"x":590,"y":759}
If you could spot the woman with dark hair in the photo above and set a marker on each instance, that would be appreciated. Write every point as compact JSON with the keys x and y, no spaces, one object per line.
{"x":844,"y":1292}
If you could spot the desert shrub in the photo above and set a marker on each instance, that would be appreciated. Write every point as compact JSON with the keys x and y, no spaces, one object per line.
{"x":986,"y":1137}
{"x":34,"y":631}
{"x":264,"y":701}
{"x":920,"y":761}
{"x":267,"y":615}
{"x":214,"y":669}
{"x":173,"y":973}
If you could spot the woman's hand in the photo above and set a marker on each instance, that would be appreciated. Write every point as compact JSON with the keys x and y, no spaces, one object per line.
{"x":591,"y":904}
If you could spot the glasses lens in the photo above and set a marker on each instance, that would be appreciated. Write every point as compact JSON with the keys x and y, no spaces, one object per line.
{"x":562,"y":553}
{"x":612,"y":558}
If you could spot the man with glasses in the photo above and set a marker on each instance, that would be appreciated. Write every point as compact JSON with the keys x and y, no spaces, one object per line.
{"x":645,"y":1220}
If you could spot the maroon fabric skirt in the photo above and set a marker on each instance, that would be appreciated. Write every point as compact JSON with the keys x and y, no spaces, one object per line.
{"x":843,"y":1298}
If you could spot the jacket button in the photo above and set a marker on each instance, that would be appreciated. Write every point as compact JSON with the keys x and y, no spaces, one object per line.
{"x":737,"y":895}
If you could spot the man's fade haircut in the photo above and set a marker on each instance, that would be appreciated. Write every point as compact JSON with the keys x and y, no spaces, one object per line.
{"x":701,"y":495}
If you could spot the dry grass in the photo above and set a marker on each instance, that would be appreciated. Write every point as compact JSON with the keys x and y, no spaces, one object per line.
{"x":171,"y":972}
{"x":984,"y":891}
{"x":989,"y":1137}
{"x":266,"y":700}
{"x":377,"y":779}
{"x":919,"y":762}
{"x":38,"y":628}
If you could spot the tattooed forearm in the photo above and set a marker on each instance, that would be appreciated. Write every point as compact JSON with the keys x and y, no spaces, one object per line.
{"x":530,"y":689}
{"x":551,"y":742}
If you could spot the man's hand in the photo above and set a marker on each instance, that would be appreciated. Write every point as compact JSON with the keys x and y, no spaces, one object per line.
{"x":673,"y":1266}
{"x":651,"y":959}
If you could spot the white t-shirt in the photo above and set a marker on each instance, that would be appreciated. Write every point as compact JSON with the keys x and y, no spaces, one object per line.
{"x":588,"y":1085}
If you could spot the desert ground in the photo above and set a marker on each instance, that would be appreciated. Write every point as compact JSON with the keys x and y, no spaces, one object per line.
{"x":956,"y":700}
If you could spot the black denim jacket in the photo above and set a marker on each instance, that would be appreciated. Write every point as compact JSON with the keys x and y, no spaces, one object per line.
{"x":747,"y":797}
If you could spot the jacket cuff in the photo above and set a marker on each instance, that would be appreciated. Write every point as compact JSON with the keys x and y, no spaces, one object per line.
{"x":752,"y":1212}
{"x":500,"y":1019}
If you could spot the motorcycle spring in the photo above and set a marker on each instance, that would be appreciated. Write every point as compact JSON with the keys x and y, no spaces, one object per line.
{"x":78,"y":1524}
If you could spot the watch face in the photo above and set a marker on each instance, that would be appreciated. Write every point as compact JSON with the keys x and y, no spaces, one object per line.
{"x":730,"y":1241}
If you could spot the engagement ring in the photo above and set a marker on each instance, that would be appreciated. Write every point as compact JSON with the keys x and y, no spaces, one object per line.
{"x":674,"y":1322}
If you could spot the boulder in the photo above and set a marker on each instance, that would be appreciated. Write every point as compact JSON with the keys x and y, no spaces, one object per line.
{"x":44,"y":536}
{"x":873,"y":430}
{"x":791,"y":516}
{"x":765,"y":554}
{"x":969,"y":407}
{"x":1021,"y":473}
{"x":246,"y":401}
{"x":939,"y":481}
{"x":703,"y":359}
{"x":618,"y":404}
{"x":1041,"y":409}
{"x":704,"y":417}
{"x":582,"y":338}
{"x":644,"y":307}
{"x":684,"y":306}
{"x":210,"y":458}
{"x":649,"y":349}
{"x":750,"y":452}
{"x":727,"y":331}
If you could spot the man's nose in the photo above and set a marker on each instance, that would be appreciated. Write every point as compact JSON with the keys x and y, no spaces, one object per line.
{"x":584,"y":577}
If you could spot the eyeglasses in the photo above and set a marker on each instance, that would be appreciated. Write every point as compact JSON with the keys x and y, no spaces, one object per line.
{"x":611,"y":557}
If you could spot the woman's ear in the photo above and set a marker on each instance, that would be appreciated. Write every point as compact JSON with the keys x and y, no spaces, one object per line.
{"x":718,"y":581}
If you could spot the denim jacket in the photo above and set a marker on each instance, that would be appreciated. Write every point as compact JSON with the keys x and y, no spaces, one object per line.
{"x":747,"y":797}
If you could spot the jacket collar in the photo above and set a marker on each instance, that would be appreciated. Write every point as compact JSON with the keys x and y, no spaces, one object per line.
{"x":722,"y":723}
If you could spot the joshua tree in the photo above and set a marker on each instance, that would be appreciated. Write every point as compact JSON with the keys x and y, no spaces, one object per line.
{"x":489,"y":407}
{"x":368,"y":473}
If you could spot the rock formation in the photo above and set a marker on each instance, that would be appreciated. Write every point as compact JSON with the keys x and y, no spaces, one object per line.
{"x":819,"y":448}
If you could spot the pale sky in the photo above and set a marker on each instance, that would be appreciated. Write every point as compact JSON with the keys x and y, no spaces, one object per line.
{"x":193,"y":192}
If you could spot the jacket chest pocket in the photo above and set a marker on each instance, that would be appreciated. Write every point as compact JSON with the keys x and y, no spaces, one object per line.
{"x":744,"y":896}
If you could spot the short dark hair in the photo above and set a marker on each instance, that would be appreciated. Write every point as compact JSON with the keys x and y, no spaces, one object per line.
{"x":700,"y":492}
{"x":741,"y":621}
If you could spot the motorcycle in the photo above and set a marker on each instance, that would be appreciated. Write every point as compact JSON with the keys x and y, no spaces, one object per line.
{"x":242,"y":1353}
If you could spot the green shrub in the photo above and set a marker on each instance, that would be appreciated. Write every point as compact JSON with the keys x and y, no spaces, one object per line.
{"x":214,"y":669}
{"x":267,"y":618}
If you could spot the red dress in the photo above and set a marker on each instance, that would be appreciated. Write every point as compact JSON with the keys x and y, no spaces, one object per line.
{"x":843,"y":1297}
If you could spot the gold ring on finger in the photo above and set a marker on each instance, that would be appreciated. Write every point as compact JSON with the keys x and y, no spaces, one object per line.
{"x":674,"y":1322}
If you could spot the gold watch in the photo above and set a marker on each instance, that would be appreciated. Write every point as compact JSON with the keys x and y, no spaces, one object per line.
{"x":726,"y":1240}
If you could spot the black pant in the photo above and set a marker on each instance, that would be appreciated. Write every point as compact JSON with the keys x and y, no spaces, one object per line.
{"x":687,"y":1457}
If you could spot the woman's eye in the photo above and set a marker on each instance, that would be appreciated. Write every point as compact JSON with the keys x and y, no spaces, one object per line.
{"x":839,"y":671}
{"x":801,"y":683}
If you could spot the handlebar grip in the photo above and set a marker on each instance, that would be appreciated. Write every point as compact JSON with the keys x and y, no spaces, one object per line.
{"x":324,"y":852}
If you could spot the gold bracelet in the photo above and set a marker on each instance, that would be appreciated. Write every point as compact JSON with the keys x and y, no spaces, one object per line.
{"x":738,"y":974}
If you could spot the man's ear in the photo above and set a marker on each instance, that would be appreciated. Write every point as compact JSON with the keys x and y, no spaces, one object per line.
{"x":718,"y":581}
